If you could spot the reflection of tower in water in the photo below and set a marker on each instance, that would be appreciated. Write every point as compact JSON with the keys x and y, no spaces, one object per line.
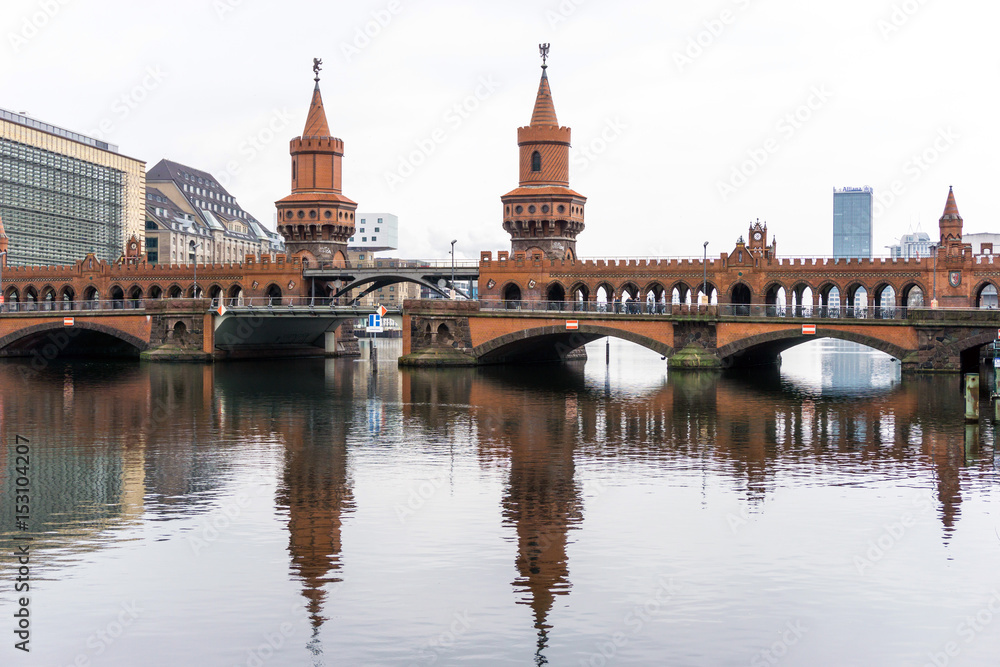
{"x":542,"y":503}
{"x":317,"y":493}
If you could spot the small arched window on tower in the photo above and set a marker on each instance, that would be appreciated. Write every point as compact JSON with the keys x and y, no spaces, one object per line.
{"x":294,"y":171}
{"x":536,"y":161}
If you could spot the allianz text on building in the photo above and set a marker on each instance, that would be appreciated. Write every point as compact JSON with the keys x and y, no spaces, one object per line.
{"x":63,"y":194}
{"x":190,"y":216}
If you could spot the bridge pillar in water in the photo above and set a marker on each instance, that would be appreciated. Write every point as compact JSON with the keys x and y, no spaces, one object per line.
{"x":437,"y":333}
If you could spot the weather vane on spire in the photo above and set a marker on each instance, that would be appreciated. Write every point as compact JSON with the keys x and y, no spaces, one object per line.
{"x":544,"y":50}
{"x":317,"y":66}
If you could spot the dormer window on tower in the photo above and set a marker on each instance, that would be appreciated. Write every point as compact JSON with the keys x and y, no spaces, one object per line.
{"x":536,"y":161}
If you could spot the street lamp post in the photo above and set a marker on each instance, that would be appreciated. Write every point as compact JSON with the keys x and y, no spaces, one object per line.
{"x":194,"y":289}
{"x":3,"y":256}
{"x":704,"y":278}
{"x":453,"y":291}
{"x":934,"y":301}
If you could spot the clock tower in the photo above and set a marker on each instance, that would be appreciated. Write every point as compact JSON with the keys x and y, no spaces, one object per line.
{"x":758,"y":240}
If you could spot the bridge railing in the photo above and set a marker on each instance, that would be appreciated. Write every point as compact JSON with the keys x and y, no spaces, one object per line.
{"x":637,"y":307}
{"x":296,"y":302}
{"x":71,"y":306}
{"x":393,"y":263}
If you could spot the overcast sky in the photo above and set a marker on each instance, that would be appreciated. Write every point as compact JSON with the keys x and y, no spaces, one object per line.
{"x":689,"y":119}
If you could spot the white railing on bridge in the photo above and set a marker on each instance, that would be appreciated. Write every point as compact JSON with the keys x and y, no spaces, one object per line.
{"x":636,"y":307}
{"x":392,"y":263}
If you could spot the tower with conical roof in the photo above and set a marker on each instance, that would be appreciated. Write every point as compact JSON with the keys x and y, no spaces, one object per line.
{"x":317,"y":219}
{"x":950,"y":224}
{"x":543,"y":215}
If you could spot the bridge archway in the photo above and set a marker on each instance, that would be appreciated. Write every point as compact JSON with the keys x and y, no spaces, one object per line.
{"x":913,"y":296}
{"x":775,"y":299}
{"x":554,"y":343}
{"x":740,"y":297}
{"x":155,"y":292}
{"x":986,"y":296}
{"x":48,"y":297}
{"x":764,"y":348}
{"x":174,"y":292}
{"x":134,"y":296}
{"x":604,"y":293}
{"x":511,"y":294}
{"x":91,"y":295}
{"x":273,"y":293}
{"x":555,"y":292}
{"x":680,"y":294}
{"x":580,"y":293}
{"x":885,"y":301}
{"x":67,"y":295}
{"x":53,"y":339}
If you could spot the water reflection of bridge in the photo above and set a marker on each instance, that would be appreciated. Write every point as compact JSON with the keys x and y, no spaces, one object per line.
{"x":544,"y":425}
{"x":539,"y":427}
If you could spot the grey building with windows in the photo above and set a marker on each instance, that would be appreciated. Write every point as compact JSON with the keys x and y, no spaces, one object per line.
{"x":64,"y":194}
{"x":374,"y":232}
{"x":852,"y":222}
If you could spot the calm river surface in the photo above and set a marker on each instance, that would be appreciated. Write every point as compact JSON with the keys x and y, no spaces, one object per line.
{"x":313,"y":513}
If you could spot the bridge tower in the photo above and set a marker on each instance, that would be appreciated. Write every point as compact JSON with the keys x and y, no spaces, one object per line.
{"x":317,"y":219}
{"x":543,"y":215}
{"x":950,"y":224}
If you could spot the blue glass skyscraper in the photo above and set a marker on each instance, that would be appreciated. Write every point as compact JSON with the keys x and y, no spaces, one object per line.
{"x":852,"y":222}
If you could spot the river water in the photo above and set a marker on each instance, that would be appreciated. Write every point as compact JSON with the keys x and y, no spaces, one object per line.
{"x":312,"y":512}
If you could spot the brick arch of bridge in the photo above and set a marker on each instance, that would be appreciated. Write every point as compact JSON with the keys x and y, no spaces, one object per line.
{"x":374,"y":283}
{"x":554,"y":342}
{"x":776,"y":341}
{"x":36,"y":330}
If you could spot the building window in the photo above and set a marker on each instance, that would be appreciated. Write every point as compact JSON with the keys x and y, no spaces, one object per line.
{"x":376,"y":230}
{"x":352,"y":240}
{"x":364,"y":239}
{"x":392,"y":288}
{"x":374,"y":238}
{"x":536,"y":161}
{"x":379,"y":222}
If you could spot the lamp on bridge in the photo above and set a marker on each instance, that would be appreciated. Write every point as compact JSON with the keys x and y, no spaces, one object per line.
{"x":194,"y":289}
{"x":704,"y":279}
{"x":3,"y":258}
{"x":453,"y":268}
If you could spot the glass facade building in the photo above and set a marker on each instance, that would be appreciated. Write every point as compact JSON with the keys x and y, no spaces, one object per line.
{"x":63,"y":195}
{"x":852,"y":222}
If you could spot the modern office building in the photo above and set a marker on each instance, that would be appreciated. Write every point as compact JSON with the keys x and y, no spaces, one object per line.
{"x":910,"y":246}
{"x":852,"y":222}
{"x":63,"y":194}
{"x":374,"y":232}
{"x":190,"y":216}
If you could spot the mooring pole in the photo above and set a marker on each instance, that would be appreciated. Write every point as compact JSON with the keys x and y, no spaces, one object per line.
{"x":972,"y":397}
{"x":607,"y":351}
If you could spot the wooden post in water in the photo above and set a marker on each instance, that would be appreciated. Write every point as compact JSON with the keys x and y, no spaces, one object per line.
{"x":972,"y":397}
{"x":607,"y":352}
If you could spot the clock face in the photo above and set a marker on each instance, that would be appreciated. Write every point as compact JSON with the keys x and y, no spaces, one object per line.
{"x":758,"y":236}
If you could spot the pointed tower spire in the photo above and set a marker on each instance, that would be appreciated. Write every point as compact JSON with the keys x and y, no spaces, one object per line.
{"x":950,"y":224}
{"x":543,"y":216}
{"x":316,"y":125}
{"x":545,"y":111}
{"x":3,"y":244}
